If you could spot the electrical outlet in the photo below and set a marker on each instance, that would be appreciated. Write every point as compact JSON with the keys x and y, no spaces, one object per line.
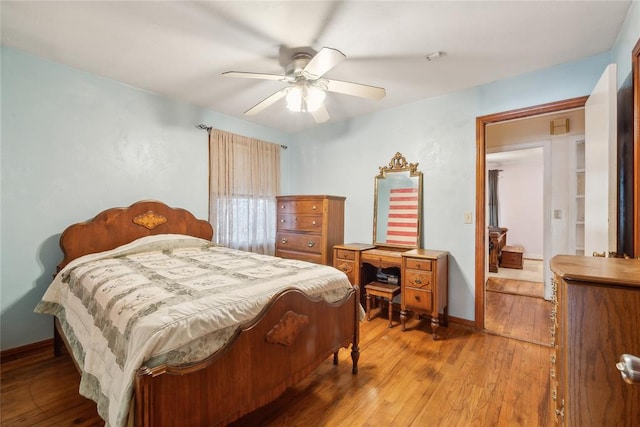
{"x":468,"y":218}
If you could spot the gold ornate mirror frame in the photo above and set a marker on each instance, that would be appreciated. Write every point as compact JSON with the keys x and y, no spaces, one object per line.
{"x":397,"y":210}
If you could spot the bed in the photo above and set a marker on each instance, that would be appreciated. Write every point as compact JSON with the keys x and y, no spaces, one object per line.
{"x":134,"y":300}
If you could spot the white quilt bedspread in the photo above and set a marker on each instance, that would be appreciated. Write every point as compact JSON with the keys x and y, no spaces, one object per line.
{"x":165,"y":299}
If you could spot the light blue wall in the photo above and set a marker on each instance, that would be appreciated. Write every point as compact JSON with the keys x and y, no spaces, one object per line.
{"x":74,"y":144}
{"x":626,"y":40}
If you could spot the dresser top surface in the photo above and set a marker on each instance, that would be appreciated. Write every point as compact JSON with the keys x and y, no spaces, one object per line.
{"x":426,"y":253}
{"x":310,"y":197}
{"x":355,"y":246}
{"x":615,"y":271}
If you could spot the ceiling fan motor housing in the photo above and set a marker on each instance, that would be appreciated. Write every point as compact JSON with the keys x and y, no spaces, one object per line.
{"x":299,"y":61}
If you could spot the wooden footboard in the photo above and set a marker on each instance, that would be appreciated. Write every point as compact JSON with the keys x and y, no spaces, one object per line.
{"x":291,"y":337}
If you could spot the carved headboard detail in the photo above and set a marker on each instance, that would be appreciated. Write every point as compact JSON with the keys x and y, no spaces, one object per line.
{"x":117,"y":226}
{"x":150,"y":220}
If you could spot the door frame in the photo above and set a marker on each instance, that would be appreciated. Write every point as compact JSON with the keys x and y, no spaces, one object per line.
{"x":481,"y":151}
{"x":635,"y":65}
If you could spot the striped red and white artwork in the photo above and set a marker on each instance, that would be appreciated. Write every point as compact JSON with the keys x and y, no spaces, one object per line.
{"x":402,"y":224}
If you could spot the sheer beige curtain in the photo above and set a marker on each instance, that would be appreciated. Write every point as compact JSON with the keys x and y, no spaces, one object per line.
{"x":244,"y":181}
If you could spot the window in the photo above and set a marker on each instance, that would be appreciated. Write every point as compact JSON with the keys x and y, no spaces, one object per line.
{"x":244,"y":181}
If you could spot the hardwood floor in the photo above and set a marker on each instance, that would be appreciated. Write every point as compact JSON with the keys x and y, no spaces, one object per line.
{"x":515,"y":287}
{"x":517,"y":309}
{"x":470,"y":378}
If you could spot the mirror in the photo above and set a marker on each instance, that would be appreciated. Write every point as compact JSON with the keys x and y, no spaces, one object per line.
{"x":397,"y":211}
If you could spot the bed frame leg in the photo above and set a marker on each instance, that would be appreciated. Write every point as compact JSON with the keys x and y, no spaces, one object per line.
{"x":355,"y":355}
{"x":58,"y":343}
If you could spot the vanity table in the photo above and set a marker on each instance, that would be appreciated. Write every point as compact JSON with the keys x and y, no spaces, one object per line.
{"x":424,"y":284}
{"x":395,"y":255}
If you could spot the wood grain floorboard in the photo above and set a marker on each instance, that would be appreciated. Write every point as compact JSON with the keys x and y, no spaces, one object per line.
{"x":517,"y":287}
{"x":515,"y":315}
{"x":469,"y":378}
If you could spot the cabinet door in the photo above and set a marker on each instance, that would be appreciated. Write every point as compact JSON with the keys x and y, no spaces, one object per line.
{"x":602,"y":324}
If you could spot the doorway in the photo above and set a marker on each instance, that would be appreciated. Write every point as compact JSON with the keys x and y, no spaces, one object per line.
{"x":481,"y":170}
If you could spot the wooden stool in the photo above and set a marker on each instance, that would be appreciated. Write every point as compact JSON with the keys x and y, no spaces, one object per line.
{"x":384,"y":290}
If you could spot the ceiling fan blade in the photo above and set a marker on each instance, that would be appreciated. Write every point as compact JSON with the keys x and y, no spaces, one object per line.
{"x":321,"y":115}
{"x":266,"y":102}
{"x":262,"y":76}
{"x":323,"y":61}
{"x":356,"y":89}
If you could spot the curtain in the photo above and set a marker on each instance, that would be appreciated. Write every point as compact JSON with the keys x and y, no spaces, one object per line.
{"x":244,"y":179}
{"x":493,"y":198}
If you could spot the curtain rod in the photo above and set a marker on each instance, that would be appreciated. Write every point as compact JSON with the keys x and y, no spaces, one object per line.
{"x":208,"y":129}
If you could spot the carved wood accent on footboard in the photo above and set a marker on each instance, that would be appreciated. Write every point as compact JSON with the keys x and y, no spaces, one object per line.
{"x":291,"y":337}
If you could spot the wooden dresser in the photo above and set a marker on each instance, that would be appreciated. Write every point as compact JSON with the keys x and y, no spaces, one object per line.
{"x":309,"y":226}
{"x":596,"y":319}
{"x":425,"y":286}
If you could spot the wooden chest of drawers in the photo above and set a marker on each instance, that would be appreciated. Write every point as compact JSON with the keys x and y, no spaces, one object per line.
{"x":309,"y":226}
{"x":425,"y":287}
{"x":595,"y":321}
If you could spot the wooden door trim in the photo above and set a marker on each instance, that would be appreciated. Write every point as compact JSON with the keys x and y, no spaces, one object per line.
{"x":481,"y":151}
{"x":635,"y":65}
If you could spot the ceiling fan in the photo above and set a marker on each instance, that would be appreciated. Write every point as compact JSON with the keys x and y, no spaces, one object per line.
{"x":307,"y":87}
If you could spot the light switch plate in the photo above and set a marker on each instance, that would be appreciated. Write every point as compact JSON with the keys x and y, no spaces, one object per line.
{"x":468,"y":217}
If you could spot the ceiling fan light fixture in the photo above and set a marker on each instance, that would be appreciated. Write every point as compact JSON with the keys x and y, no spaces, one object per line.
{"x":305,"y":99}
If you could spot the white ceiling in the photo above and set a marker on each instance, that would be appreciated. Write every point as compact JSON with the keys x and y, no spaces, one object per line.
{"x":180,"y":48}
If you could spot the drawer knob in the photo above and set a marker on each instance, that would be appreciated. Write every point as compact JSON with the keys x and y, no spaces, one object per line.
{"x":282,"y":221}
{"x":417,"y":297}
{"x":629,"y":367}
{"x":418,"y":282}
{"x":314,"y":223}
{"x":282,"y":207}
{"x":284,"y":240}
{"x":310,"y":244}
{"x":314,"y":207}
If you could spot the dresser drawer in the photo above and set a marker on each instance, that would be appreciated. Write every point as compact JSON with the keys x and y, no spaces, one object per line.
{"x":417,"y":299}
{"x":343,"y":254}
{"x":299,"y":242}
{"x":418,"y":279}
{"x":300,"y":206}
{"x":311,"y":223}
{"x":302,"y":256}
{"x":347,"y":268}
{"x":381,"y":258}
{"x":418,"y":264}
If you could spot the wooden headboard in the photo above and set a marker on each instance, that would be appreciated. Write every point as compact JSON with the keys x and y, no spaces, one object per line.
{"x":117,"y":226}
